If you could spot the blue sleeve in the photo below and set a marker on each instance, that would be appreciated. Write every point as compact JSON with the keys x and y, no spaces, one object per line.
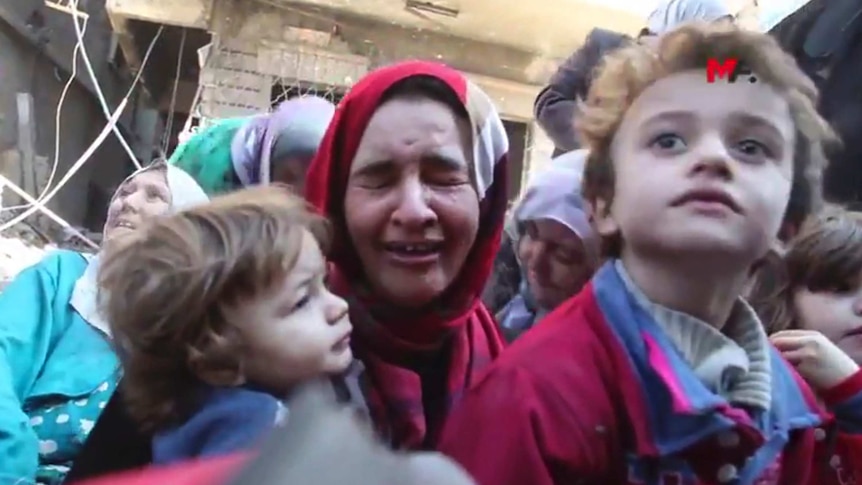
{"x":26,"y":331}
{"x":220,"y":428}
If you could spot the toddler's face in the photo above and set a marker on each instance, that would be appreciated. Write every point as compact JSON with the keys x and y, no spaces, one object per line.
{"x":836,"y":314}
{"x":298,"y":330}
{"x":702,"y":168}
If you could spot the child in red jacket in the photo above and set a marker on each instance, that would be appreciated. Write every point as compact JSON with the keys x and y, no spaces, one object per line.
{"x":658,"y":372}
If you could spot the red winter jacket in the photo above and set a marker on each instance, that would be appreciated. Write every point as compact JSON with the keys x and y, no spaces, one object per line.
{"x":598,"y":395}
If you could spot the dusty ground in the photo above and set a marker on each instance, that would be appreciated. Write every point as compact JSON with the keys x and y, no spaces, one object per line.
{"x":23,"y":246}
{"x":20,"y":248}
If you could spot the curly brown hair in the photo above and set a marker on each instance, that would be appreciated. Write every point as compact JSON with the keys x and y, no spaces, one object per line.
{"x":627,"y":72}
{"x":168,"y":288}
{"x":826,"y":255}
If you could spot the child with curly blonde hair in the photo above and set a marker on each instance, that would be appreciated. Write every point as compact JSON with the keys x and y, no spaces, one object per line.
{"x":658,"y":371}
{"x":218,"y":313}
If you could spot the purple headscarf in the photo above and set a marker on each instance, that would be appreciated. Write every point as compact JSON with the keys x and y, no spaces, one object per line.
{"x":295,"y":128}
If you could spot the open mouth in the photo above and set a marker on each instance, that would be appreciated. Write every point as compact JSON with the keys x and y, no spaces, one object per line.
{"x":124,"y":224}
{"x":342,"y":345}
{"x":415,"y":252}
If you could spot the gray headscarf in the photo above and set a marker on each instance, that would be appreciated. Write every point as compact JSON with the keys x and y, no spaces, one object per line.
{"x":671,"y":13}
{"x":552,"y":193}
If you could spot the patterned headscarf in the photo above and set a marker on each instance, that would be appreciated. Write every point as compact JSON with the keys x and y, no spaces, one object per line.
{"x":671,"y":13}
{"x":295,"y":128}
{"x":185,"y":193}
{"x":238,"y":152}
{"x":461,"y":323}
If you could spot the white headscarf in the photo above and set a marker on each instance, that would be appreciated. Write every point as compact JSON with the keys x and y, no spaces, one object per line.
{"x":572,"y":163}
{"x":671,"y":13}
{"x":772,"y":12}
{"x":185,"y":193}
{"x":554,"y":193}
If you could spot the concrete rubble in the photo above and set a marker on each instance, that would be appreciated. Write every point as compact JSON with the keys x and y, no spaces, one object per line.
{"x":22,"y":246}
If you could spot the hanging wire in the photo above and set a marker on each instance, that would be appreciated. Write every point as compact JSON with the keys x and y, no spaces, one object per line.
{"x":169,"y":125}
{"x":112,"y":123}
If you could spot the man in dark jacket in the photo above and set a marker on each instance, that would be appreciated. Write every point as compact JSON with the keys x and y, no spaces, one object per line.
{"x":556,"y":106}
{"x":825,"y":38}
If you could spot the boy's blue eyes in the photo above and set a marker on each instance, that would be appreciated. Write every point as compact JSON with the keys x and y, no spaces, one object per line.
{"x":759,"y":148}
{"x":666,"y":140}
{"x":669,"y":141}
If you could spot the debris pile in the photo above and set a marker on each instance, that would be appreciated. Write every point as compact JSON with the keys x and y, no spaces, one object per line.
{"x":24,"y":245}
{"x":20,"y":247}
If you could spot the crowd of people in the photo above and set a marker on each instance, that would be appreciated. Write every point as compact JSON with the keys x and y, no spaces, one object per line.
{"x":344,"y":294}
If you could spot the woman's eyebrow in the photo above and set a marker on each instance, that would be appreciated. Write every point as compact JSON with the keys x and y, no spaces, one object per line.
{"x":374,"y":168}
{"x":445,"y":162}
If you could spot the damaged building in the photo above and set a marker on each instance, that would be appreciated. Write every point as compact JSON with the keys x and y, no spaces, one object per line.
{"x":200,"y":60}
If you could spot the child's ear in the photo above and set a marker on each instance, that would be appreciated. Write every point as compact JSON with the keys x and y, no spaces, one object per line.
{"x":601,"y":218}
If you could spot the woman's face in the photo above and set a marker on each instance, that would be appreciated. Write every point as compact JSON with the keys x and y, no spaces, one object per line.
{"x":410,"y":207}
{"x":291,"y":171}
{"x":556,"y":262}
{"x":139,"y":198}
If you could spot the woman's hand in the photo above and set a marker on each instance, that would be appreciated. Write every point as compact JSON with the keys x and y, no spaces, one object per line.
{"x":820,"y":362}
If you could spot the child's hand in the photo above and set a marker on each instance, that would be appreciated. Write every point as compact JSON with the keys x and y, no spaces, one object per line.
{"x":819,"y":361}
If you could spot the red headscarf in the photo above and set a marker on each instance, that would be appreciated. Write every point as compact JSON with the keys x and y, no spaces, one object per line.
{"x":459,"y":326}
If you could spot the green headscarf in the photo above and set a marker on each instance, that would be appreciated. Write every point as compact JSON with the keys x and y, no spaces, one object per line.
{"x":238,"y":152}
{"x":206,"y":156}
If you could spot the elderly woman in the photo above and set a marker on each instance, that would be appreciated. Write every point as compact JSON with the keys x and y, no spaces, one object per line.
{"x":57,"y":366}
{"x":412,"y":173}
{"x":274,"y":147}
{"x":505,"y":281}
{"x":556,"y":246}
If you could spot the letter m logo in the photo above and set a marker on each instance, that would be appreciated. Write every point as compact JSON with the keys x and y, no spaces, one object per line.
{"x":720,"y":70}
